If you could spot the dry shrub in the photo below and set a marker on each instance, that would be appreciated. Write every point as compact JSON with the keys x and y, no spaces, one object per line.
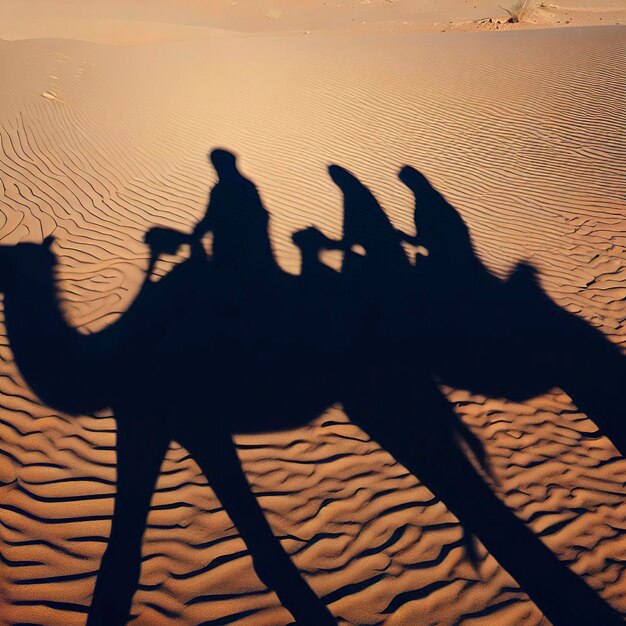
{"x":520,"y":10}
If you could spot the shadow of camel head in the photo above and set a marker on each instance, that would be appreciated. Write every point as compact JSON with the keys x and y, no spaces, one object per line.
{"x":25,"y":260}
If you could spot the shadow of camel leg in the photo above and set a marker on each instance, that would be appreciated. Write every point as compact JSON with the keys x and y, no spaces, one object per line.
{"x":140,"y":452}
{"x":415,"y":430}
{"x":222,"y":467}
{"x":595,"y":378}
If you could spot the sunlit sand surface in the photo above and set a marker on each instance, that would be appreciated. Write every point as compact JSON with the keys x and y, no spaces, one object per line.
{"x":524,"y":134}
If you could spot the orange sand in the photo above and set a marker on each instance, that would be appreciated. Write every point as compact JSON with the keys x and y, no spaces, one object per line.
{"x":523,"y":132}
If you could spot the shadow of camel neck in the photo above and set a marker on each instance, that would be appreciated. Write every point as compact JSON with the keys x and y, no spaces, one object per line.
{"x":64,"y":367}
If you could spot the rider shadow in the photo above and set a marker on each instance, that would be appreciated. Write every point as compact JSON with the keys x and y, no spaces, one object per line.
{"x":235,"y":338}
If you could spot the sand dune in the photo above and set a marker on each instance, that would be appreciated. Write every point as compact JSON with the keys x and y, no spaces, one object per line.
{"x":100,"y":142}
{"x":121,"y":22}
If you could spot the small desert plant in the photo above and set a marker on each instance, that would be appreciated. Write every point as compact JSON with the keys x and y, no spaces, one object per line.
{"x":520,"y":9}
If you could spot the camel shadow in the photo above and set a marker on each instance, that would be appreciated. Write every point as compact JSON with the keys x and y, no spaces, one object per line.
{"x":232,"y":344}
{"x":428,"y":330}
{"x":505,"y":338}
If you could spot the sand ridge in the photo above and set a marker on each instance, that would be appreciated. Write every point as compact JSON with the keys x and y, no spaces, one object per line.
{"x":532,"y":158}
{"x":123,"y":23}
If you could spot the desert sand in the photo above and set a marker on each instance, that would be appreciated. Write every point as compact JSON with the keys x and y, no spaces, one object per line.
{"x":107,"y":113}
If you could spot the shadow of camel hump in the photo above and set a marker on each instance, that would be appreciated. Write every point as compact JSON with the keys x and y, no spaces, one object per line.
{"x":256,"y":349}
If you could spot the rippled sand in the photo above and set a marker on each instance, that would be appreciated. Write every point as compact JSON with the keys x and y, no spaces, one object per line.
{"x":524,"y":134}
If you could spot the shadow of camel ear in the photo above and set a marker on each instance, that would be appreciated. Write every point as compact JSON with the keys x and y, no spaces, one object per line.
{"x":48,"y":241}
